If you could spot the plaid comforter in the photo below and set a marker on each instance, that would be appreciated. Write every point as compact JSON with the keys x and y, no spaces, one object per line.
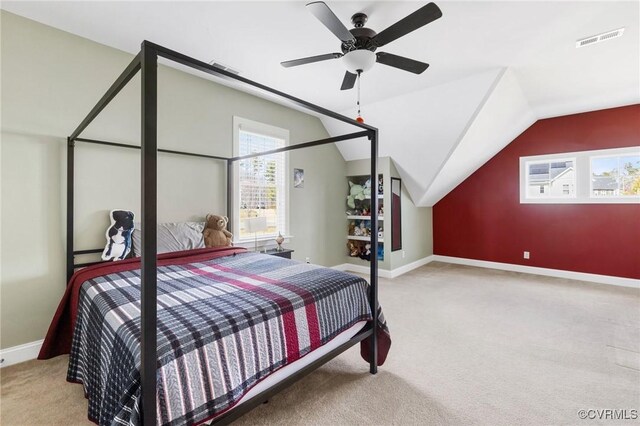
{"x":224,"y":324}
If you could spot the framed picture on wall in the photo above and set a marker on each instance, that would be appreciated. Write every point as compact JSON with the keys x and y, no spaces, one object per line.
{"x":298,"y":178}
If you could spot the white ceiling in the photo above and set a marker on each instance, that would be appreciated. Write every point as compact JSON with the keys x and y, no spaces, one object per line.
{"x":504,"y":63}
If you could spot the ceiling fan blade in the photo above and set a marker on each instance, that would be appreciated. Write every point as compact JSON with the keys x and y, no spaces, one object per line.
{"x":349,"y":81}
{"x":401,"y":62}
{"x":310,"y":59}
{"x":417,"y":19}
{"x":325,"y":15}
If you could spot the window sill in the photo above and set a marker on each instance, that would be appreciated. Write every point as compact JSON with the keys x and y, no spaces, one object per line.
{"x":630,"y":200}
{"x":262,"y":240}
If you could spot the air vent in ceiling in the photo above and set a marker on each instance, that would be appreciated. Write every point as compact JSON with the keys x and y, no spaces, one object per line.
{"x":223,"y":67}
{"x":600,"y":37}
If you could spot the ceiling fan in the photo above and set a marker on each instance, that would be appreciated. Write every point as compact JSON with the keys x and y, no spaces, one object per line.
{"x":359,"y":44}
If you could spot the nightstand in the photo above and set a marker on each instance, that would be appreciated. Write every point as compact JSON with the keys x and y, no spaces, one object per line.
{"x":286,"y":253}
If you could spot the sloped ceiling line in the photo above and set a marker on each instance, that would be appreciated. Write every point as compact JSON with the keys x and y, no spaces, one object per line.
{"x":466,"y":129}
{"x":418,"y":129}
{"x":504,"y":114}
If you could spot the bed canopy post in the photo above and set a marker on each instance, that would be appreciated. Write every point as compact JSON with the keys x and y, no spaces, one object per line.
{"x":70,"y":170}
{"x":373,"y":280}
{"x":230,"y":193}
{"x":149,"y":272}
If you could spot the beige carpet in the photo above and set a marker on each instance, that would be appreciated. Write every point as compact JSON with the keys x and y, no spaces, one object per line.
{"x":470,"y":346}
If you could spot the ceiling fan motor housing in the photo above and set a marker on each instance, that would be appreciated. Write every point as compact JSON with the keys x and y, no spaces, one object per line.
{"x":364,"y":37}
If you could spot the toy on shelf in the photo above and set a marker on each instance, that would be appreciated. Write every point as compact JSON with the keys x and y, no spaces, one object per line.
{"x":380,"y":185}
{"x":357,"y":192}
{"x":364,"y":231}
{"x":352,"y":228}
{"x":365,"y":252}
{"x":354,"y":249}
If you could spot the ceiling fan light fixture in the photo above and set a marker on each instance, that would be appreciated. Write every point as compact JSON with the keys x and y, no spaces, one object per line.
{"x":359,"y":60}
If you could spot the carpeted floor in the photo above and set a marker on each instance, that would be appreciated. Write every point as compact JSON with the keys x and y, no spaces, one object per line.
{"x":470,"y":346}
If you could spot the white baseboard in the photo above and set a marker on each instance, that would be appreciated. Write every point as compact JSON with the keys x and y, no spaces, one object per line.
{"x":557,"y":273}
{"x":385,"y":273}
{"x":20,"y":353}
{"x":411,"y":266}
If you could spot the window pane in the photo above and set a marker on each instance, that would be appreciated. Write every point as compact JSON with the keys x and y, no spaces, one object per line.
{"x":261,"y":184}
{"x":550,"y":179}
{"x":617,"y":176}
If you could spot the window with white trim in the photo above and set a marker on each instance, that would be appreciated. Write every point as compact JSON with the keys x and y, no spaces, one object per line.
{"x":615,"y":176}
{"x":552,"y":178}
{"x":602,"y":176}
{"x":260,"y":183}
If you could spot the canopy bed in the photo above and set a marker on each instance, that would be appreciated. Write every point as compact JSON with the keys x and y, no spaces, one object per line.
{"x":137,"y":308}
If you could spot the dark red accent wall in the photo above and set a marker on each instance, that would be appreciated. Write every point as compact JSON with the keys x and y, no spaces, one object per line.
{"x":483,"y":219}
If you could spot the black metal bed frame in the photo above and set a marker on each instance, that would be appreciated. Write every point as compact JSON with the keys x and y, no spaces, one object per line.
{"x":146,"y":61}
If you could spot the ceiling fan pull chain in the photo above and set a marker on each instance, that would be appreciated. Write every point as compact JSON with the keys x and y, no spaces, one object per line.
{"x":359,"y":119}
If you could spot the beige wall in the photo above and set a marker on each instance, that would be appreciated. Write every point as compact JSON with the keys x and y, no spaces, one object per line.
{"x":50,"y":80}
{"x":417,"y":229}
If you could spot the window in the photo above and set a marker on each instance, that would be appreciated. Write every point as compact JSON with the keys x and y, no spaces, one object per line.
{"x":260,"y":183}
{"x":551,"y":178}
{"x":615,"y":176}
{"x":603,"y":176}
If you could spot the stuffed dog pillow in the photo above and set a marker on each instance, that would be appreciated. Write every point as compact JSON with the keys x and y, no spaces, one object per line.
{"x":118,"y":235}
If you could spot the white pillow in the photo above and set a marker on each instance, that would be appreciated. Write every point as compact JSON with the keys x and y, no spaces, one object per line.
{"x":172,"y":237}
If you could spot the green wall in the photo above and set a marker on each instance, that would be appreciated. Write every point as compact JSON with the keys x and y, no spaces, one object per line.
{"x":50,"y":80}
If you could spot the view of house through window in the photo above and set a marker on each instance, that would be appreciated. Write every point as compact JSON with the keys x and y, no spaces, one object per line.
{"x":261,"y":185}
{"x":617,"y":176}
{"x":551,"y":178}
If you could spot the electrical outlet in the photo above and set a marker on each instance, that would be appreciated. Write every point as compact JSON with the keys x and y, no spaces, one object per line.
{"x":526,"y":255}
{"x":307,"y":259}
{"x":403,"y":254}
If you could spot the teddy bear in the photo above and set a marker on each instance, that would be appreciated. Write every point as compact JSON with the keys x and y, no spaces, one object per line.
{"x":215,"y":232}
{"x":354,"y":250}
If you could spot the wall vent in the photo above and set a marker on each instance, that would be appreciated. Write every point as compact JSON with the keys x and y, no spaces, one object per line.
{"x":600,"y":37}
{"x":223,"y":67}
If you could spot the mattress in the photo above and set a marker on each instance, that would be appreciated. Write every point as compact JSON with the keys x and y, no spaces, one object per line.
{"x":291,"y":369}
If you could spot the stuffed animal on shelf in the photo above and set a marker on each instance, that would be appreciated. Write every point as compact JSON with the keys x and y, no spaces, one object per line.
{"x":354,"y":250}
{"x":364,"y":230}
{"x":365,"y":252}
{"x":357,"y":192}
{"x":118,"y":235}
{"x":352,"y":228}
{"x":215,"y":232}
{"x":380,"y":185}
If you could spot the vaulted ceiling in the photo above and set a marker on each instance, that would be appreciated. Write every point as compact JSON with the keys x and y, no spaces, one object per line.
{"x":496,"y":66}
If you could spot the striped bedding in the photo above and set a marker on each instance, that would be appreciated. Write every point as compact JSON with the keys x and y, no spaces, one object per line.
{"x":225,"y":322}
